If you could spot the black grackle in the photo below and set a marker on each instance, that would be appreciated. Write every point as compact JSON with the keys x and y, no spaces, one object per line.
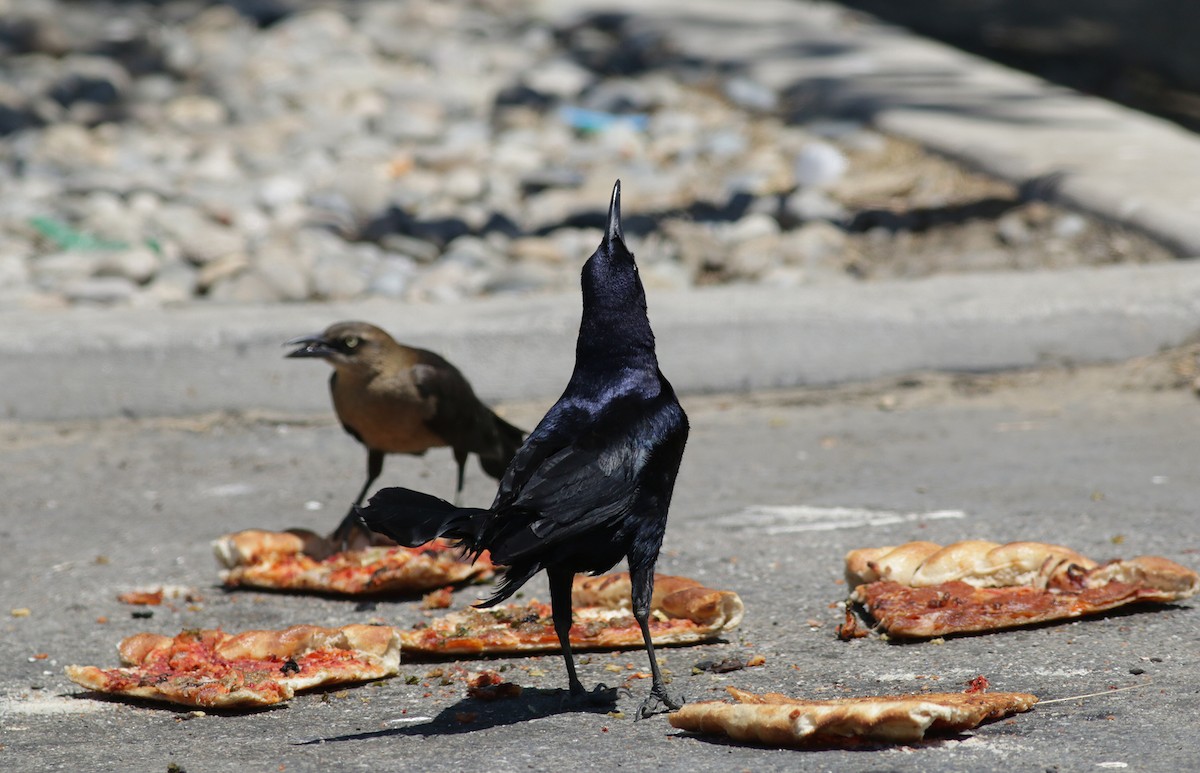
{"x":592,"y":483}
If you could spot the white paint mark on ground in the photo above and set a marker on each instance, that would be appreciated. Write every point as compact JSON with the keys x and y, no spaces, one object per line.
{"x":1002,"y":747}
{"x":229,"y":490}
{"x":945,"y":673}
{"x":998,"y":745}
{"x":787,"y":519}
{"x":1112,"y":764}
{"x":1061,"y":671}
{"x":49,"y":705}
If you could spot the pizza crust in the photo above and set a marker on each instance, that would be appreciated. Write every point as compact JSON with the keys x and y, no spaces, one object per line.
{"x":214,"y":669}
{"x":921,"y":589}
{"x":777,"y":720}
{"x":975,"y":562}
{"x":278,"y":561}
{"x":675,"y":597}
{"x":682,"y":612}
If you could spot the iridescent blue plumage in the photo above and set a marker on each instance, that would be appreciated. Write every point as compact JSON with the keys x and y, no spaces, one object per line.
{"x":593,"y":481}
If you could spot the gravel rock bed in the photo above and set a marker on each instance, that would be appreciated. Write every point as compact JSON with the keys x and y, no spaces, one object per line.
{"x":250,"y":151}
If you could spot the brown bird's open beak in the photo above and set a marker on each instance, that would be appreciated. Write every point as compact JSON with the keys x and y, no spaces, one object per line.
{"x":310,"y":346}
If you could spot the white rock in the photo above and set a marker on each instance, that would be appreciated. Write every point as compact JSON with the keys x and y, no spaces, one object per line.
{"x":221,"y":269}
{"x":558,"y":77}
{"x":201,"y":239}
{"x":752,"y":258}
{"x":412,"y":120}
{"x":14,"y":272}
{"x":195,"y":111}
{"x":337,"y":279}
{"x":1013,"y":230}
{"x":667,"y":275}
{"x":393,"y":275}
{"x":175,"y":283}
{"x":60,"y":267}
{"x":819,"y":164}
{"x":726,"y":144}
{"x":750,"y":94}
{"x":217,"y":161}
{"x":137,"y":264}
{"x":464,"y":183}
{"x":540,"y":249}
{"x":247,"y":287}
{"x":752,"y":226}
{"x":813,"y":204}
{"x":289,"y":280}
{"x":280,"y":190}
{"x":419,"y":250}
{"x":447,"y":282}
{"x":520,"y":278}
{"x":816,"y":242}
{"x":472,"y":251}
{"x":1069,"y":225}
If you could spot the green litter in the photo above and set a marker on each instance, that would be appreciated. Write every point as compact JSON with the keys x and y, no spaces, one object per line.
{"x":66,"y":237}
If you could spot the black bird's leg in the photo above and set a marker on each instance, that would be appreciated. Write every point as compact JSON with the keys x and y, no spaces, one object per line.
{"x":560,"y":604}
{"x":350,"y":527}
{"x":658,"y":701}
{"x":460,"y":457}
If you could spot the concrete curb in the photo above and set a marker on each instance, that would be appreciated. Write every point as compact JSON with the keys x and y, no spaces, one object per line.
{"x":89,"y":363}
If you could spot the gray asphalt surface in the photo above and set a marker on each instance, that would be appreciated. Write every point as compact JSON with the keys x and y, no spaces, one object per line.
{"x":1068,"y":458}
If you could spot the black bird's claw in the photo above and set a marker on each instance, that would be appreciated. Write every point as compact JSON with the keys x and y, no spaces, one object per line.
{"x":658,"y":702}
{"x":352,"y":533}
{"x":601,"y":695}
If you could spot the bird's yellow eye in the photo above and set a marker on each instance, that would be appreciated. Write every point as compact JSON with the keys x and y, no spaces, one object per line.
{"x":351,"y":342}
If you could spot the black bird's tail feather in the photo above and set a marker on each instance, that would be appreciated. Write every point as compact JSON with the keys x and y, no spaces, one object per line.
{"x":495,"y":460}
{"x":412,"y":518}
{"x":512,"y":579}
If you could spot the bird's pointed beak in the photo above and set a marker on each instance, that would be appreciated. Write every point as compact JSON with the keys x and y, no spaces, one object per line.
{"x":613,"y":231}
{"x":310,"y":346}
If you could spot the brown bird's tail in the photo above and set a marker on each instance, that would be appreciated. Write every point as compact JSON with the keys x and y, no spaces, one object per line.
{"x":412,"y":518}
{"x":508,"y":439}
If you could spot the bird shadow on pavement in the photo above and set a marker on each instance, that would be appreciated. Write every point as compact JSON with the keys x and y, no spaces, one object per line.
{"x":471,"y":714}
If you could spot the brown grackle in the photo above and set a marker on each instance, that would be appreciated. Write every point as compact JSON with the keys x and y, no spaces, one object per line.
{"x":396,"y":399}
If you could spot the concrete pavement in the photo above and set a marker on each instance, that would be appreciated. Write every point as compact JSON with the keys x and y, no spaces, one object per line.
{"x":1054,"y":456}
{"x":90,"y":363}
{"x":1064,"y":458}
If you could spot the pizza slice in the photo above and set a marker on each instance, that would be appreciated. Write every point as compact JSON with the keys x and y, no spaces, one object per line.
{"x":922,"y":590}
{"x":777,"y":720}
{"x":283,"y":561}
{"x":214,"y":669}
{"x":682,"y":612}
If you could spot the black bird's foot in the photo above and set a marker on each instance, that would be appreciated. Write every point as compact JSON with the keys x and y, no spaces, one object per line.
{"x":601,"y":695}
{"x":315,"y":546}
{"x":658,"y":702}
{"x":352,"y":534}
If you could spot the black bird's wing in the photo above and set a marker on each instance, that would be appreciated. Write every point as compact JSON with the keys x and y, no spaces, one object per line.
{"x":579,"y":470}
